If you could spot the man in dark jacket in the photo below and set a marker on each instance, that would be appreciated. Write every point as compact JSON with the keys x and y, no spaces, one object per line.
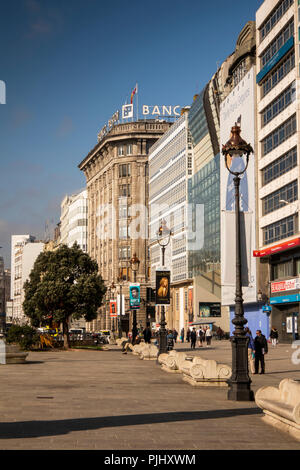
{"x":261,"y":348}
{"x":193,"y":338}
{"x":147,"y":334}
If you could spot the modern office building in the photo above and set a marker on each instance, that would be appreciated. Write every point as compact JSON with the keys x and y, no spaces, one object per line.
{"x":74,"y":218}
{"x":24,"y":253}
{"x":170,"y":167}
{"x":117,"y":176}
{"x":278,"y":243}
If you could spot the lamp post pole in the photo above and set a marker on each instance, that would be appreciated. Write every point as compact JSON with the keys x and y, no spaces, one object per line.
{"x":163,"y":238}
{"x":239,"y":383}
{"x":135,"y":262}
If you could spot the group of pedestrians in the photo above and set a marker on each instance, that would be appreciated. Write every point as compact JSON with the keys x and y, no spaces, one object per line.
{"x":202,"y":335}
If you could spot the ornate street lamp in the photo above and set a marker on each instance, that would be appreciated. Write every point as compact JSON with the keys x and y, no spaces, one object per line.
{"x":112,"y":289}
{"x":239,"y":383}
{"x":163,"y":237}
{"x":135,"y":263}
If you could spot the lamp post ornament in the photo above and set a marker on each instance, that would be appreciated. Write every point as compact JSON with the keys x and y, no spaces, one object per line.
{"x":135,"y":263}
{"x":239,"y":383}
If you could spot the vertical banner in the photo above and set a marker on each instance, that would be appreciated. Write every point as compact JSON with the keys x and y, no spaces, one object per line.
{"x":238,"y":108}
{"x":113,"y":309}
{"x":191,"y":304}
{"x":162,"y":296}
{"x":134,"y":296}
{"x":119,"y":310}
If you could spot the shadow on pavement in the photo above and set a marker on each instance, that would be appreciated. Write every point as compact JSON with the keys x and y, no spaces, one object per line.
{"x":32,"y":429}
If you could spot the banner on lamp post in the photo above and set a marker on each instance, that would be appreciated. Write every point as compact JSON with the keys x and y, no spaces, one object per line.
{"x":113,"y":309}
{"x":162,"y":296}
{"x":135,"y":296}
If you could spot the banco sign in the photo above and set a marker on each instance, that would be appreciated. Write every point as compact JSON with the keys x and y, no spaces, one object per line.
{"x":171,"y":111}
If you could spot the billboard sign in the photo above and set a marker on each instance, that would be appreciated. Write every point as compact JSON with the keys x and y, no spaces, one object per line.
{"x":288,"y":284}
{"x":162,"y":287}
{"x":113,"y":309}
{"x":238,"y":108}
{"x":134,"y":296}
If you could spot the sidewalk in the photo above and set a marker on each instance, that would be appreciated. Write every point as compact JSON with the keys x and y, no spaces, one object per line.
{"x":85,"y":399}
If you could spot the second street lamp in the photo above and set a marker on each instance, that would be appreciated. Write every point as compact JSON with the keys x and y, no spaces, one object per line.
{"x":135,"y":263}
{"x":239,"y":383}
{"x":163,"y":237}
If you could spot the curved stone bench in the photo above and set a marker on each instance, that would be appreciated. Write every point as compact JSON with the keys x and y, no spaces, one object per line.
{"x":202,"y":372}
{"x":14,"y":355}
{"x":172,"y":361}
{"x":281,"y":406}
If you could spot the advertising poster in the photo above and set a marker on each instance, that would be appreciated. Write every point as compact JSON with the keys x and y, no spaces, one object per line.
{"x":113,"y":308}
{"x":162,"y":288}
{"x":238,"y":109}
{"x":191,"y":304}
{"x":134,"y":296}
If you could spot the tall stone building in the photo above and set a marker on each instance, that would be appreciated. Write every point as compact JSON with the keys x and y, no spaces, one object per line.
{"x":116,"y":171}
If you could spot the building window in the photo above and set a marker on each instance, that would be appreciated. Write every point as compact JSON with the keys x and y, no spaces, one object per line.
{"x":278,"y":74}
{"x":124,"y":190}
{"x":124,"y":252}
{"x":124,"y":170}
{"x":279,"y":104}
{"x":288,"y":193}
{"x":279,"y":135}
{"x":279,"y":167}
{"x":274,"y":17}
{"x":129,"y":149}
{"x":239,"y":72}
{"x":124,"y":274}
{"x":283,"y":270}
{"x":279,"y":41}
{"x":120,"y":150}
{"x":279,"y":230}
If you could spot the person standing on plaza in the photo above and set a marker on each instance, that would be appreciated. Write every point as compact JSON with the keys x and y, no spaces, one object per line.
{"x":261,"y":348}
{"x":208,"y":336}
{"x":251,"y":350}
{"x":182,"y":335}
{"x":201,"y":337}
{"x":175,"y":334}
{"x":147,"y":334}
{"x":274,"y":336}
{"x":193,"y":338}
{"x":188,"y":335}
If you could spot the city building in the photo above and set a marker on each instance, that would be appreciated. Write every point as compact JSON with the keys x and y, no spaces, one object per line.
{"x":239,"y":108}
{"x":25,"y":250}
{"x":73,"y":221}
{"x":278,"y":242}
{"x":116,"y":172}
{"x":170,"y":167}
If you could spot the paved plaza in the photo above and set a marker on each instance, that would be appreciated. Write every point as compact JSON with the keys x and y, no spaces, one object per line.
{"x":88,"y":400}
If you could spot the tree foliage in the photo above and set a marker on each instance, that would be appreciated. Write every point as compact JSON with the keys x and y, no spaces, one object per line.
{"x":62,"y":284}
{"x":25,"y":336}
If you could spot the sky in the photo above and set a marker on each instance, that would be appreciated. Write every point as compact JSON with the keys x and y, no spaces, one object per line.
{"x":68,"y":65}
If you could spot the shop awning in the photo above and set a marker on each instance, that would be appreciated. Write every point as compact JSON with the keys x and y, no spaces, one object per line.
{"x":277,"y":248}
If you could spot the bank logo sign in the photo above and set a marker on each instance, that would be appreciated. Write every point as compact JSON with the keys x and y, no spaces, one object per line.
{"x":127,"y":111}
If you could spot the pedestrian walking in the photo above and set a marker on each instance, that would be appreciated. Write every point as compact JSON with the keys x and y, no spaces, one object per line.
{"x":188,"y":335}
{"x":274,"y":336}
{"x":220,"y":333}
{"x":193,"y":338}
{"x":182,"y":335}
{"x":251,"y":351}
{"x":175,"y":334}
{"x":261,"y":349}
{"x":208,"y":336}
{"x":147,"y":334}
{"x":201,"y":337}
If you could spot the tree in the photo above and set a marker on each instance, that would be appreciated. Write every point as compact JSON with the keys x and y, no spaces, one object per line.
{"x":62,"y":284}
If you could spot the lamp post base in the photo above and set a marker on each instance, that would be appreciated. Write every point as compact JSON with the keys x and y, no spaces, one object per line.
{"x":239,"y":383}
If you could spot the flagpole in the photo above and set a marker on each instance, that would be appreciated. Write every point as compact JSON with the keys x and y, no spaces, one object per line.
{"x":137,"y":103}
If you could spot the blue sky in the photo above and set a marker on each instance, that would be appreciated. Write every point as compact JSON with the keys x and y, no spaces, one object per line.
{"x":69,"y":65}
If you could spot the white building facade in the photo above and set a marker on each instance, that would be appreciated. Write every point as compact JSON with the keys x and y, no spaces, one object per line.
{"x":74,"y":219}
{"x":24,"y":253}
{"x":277,"y":81}
{"x":170,"y":166}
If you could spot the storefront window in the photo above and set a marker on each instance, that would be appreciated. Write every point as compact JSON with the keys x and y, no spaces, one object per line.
{"x":283,"y":270}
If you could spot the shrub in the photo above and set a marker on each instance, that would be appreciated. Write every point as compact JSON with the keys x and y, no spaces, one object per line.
{"x":25,"y":336}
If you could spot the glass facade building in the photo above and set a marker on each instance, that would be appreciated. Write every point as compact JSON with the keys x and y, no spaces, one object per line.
{"x":204,"y":189}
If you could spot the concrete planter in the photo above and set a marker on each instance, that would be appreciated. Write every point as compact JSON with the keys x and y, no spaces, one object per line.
{"x":12,"y":354}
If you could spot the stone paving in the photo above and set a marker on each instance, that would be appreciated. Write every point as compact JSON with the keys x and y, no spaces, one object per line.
{"x":84,"y":399}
